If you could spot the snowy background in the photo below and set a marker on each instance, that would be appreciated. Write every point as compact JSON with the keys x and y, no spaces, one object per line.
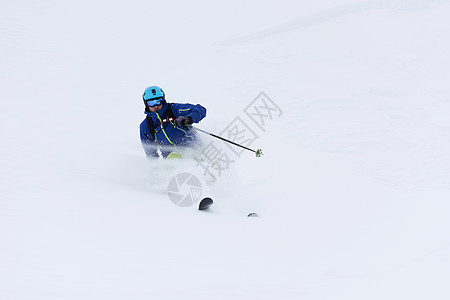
{"x":353,"y":190}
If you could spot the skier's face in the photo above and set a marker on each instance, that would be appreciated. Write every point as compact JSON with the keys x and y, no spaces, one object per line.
{"x":155,"y":108}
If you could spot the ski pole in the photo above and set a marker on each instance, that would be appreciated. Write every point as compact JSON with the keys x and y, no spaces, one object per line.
{"x":258,"y":152}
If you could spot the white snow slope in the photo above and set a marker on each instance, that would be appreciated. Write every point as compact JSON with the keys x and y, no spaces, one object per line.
{"x":352,"y":192}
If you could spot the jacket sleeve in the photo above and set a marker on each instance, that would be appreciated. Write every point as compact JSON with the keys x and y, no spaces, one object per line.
{"x":149,"y":145}
{"x":196,"y":112}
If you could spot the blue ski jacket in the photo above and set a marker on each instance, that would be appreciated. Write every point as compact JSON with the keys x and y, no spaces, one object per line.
{"x":165,"y":133}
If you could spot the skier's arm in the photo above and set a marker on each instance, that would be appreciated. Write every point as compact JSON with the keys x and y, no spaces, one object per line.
{"x":196,"y":112}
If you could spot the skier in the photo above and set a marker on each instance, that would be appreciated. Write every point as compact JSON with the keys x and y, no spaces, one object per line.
{"x":167,"y":125}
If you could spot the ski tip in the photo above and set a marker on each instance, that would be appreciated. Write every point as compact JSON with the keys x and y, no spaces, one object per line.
{"x":205,"y":203}
{"x":254,"y":215}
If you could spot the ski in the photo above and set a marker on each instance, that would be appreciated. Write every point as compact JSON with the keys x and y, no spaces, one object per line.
{"x":205,"y":203}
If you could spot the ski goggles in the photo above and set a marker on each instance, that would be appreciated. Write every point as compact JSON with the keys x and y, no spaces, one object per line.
{"x":154,"y":102}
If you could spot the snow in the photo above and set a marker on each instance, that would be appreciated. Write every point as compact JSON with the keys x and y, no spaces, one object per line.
{"x":352,"y":192}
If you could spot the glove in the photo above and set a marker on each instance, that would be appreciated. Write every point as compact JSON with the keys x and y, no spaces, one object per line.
{"x":183,"y":121}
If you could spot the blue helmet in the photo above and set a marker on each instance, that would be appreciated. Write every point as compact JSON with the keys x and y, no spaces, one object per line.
{"x":153,"y":92}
